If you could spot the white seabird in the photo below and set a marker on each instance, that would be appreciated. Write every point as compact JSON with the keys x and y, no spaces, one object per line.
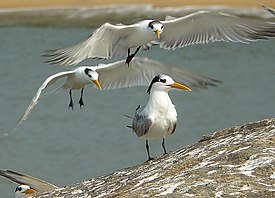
{"x":114,"y":76}
{"x":197,"y":28}
{"x":28,"y":185}
{"x":158,"y":118}
{"x":24,"y":191}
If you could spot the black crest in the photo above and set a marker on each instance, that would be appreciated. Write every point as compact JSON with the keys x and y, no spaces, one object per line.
{"x":155,"y":79}
{"x":151,"y":24}
{"x":87,"y":71}
{"x":18,"y":188}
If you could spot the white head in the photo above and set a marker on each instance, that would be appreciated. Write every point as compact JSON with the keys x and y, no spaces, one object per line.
{"x":163,"y":82}
{"x":92,"y":76}
{"x":156,"y":27}
{"x":23,"y":191}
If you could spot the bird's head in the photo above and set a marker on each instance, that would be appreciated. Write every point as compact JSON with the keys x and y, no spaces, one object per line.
{"x":23,"y":191}
{"x":156,"y":27}
{"x":165,"y":83}
{"x":92,"y":76}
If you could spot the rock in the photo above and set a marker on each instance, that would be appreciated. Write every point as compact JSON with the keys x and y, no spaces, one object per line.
{"x":234,"y":162}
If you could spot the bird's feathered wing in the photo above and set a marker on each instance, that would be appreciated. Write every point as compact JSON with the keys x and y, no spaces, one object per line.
{"x":142,"y":70}
{"x":103,"y":43}
{"x":141,"y":123}
{"x":50,"y":80}
{"x":210,"y":26}
{"x":33,"y":182}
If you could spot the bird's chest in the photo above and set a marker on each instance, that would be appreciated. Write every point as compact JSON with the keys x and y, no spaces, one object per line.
{"x":76,"y":82}
{"x":139,"y":38}
{"x":163,"y":119}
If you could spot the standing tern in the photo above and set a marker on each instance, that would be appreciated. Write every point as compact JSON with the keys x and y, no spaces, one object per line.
{"x":114,"y":76}
{"x":158,"y":118}
{"x":28,"y":185}
{"x":197,"y":28}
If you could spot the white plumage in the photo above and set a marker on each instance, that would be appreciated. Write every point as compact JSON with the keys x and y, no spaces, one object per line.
{"x":197,"y":28}
{"x":114,"y":76}
{"x":158,"y":118}
{"x":28,"y":185}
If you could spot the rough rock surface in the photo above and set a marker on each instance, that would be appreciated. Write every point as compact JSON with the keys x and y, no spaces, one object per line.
{"x":234,"y":162}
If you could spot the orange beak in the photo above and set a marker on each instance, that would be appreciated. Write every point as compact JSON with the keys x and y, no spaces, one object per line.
{"x":158,"y":33}
{"x":30,"y":191}
{"x":97,"y":84}
{"x":180,"y":86}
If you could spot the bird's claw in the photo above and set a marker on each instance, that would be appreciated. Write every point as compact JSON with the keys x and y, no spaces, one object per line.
{"x":81,"y":103}
{"x":129,"y":59}
{"x":150,"y":158}
{"x":71,"y":105}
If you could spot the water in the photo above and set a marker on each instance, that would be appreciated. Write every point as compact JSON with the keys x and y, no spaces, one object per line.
{"x":64,"y":146}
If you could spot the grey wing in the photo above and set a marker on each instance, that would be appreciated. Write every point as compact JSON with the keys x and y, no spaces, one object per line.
{"x":50,"y":80}
{"x":101,"y":44}
{"x":172,"y":127}
{"x":33,"y":182}
{"x":141,"y":123}
{"x":141,"y":71}
{"x":209,"y":26}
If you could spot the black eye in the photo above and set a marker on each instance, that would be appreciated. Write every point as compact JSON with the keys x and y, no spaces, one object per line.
{"x":89,"y":75}
{"x":162,"y":27}
{"x":151,"y":26}
{"x":163,"y":80}
{"x":18,"y":189}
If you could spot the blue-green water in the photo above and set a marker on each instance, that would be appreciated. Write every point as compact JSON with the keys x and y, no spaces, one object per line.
{"x":64,"y":146}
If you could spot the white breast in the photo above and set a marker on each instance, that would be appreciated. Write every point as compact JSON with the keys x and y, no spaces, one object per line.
{"x":163,"y":113}
{"x":140,"y":35}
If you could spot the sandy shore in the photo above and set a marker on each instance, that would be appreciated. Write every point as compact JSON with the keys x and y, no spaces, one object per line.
{"x":156,"y":3}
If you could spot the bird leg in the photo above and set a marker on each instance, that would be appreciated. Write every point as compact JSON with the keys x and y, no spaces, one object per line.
{"x":148,"y":153}
{"x":71,"y":104}
{"x":163,"y":146}
{"x":131,"y":56}
{"x":80,"y":102}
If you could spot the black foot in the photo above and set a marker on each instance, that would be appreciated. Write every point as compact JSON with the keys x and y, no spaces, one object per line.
{"x":71,"y":105}
{"x":149,"y":159}
{"x":129,"y":59}
{"x":163,"y":146}
{"x":81,"y":103}
{"x":131,"y":56}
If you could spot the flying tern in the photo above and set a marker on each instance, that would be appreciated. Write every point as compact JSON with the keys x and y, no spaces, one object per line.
{"x":158,"y":118}
{"x":114,"y":76}
{"x":28,"y":185}
{"x":24,"y":191}
{"x":197,"y":28}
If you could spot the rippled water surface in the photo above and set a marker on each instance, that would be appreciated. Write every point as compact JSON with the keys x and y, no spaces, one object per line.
{"x":64,"y":146}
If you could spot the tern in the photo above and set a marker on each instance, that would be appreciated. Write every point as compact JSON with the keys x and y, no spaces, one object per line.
{"x":24,"y":191}
{"x":114,"y":76}
{"x":197,"y":28}
{"x":28,"y":185}
{"x":158,"y":118}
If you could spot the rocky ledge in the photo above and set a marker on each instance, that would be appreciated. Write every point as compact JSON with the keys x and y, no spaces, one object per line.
{"x":234,"y":162}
